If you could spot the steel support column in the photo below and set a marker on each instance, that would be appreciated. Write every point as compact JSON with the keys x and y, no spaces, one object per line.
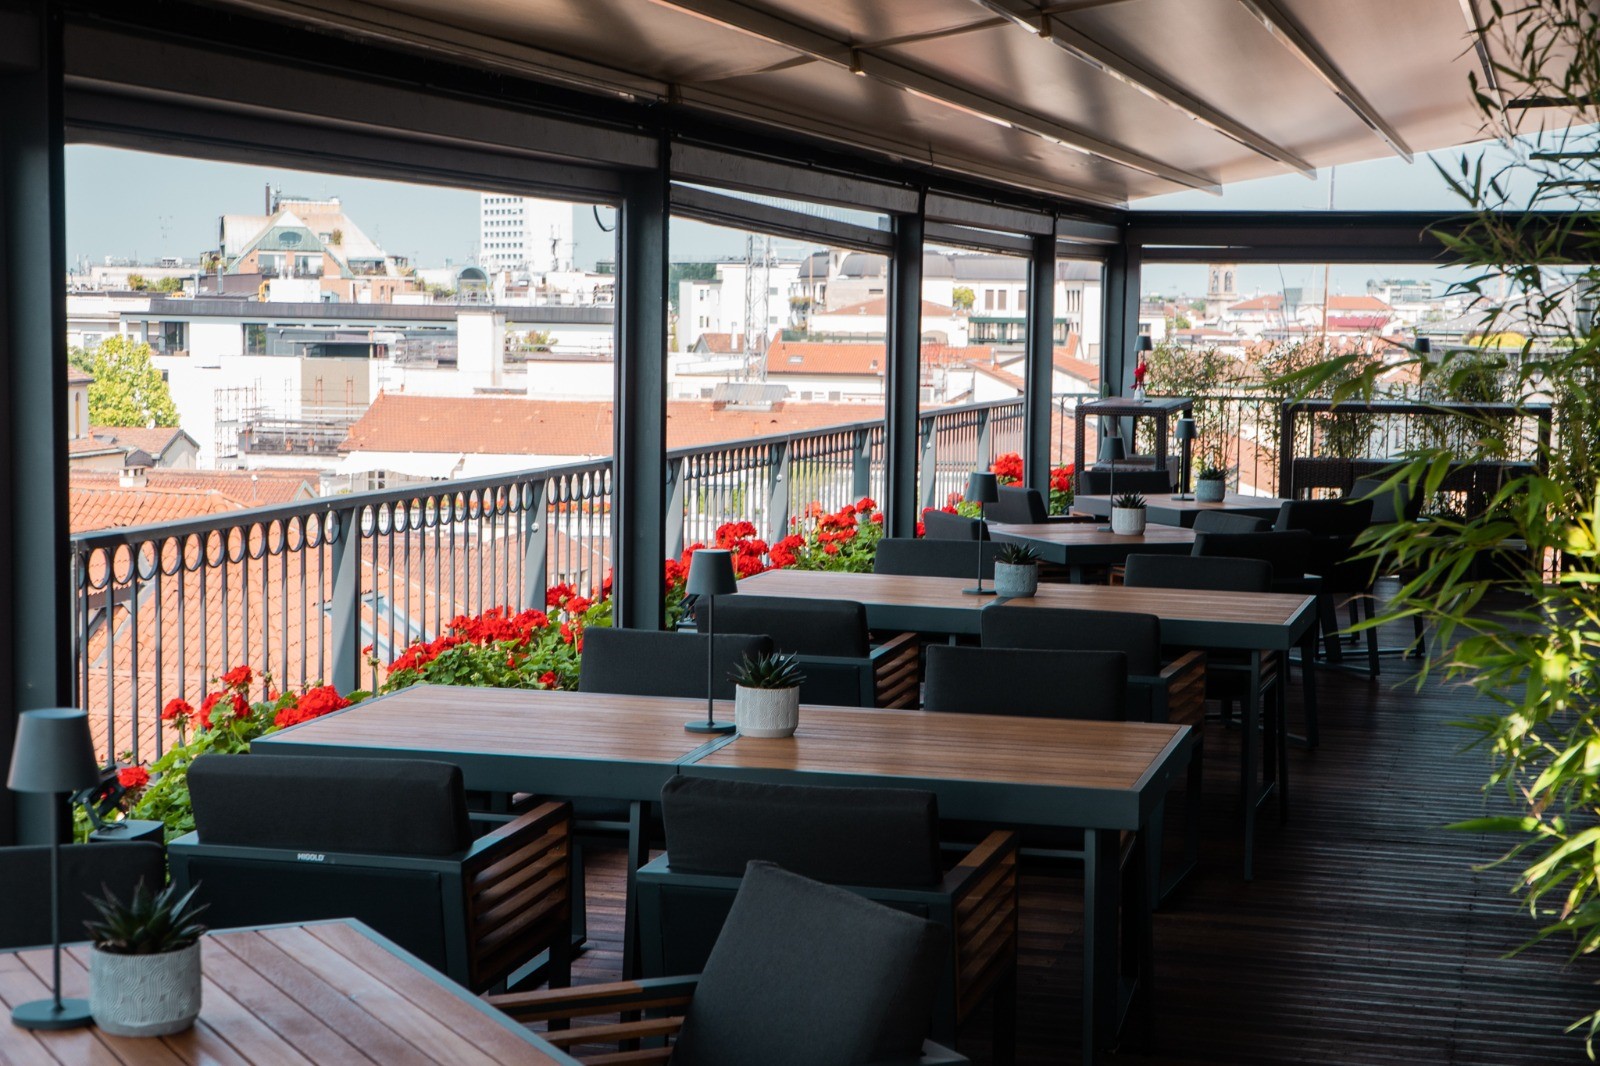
{"x":1121,"y":318}
{"x":35,"y":595}
{"x":903,"y":377}
{"x":1039,"y":364}
{"x":639,"y":470}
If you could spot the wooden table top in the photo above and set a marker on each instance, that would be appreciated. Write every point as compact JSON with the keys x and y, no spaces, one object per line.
{"x":1209,"y":619}
{"x":1084,"y":542}
{"x":898,"y":590}
{"x":1233,"y":501}
{"x":321,"y":994}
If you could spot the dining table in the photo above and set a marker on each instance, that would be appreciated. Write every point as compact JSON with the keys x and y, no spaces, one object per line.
{"x":1104,"y":778}
{"x":1076,"y":545}
{"x":328,"y":993}
{"x":1171,"y":510}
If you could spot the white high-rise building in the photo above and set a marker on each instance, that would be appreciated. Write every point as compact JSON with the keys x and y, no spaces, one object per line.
{"x":524,"y":235}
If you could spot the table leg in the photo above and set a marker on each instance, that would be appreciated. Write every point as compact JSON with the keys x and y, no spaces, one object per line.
{"x":638,"y":855}
{"x":1249,"y":794}
{"x":1138,"y":950}
{"x":1101,"y":896}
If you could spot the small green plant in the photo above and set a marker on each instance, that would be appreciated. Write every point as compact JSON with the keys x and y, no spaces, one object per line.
{"x":1212,"y":469}
{"x":1129,"y":501}
{"x":768,"y":671}
{"x":1016,"y":555}
{"x":150,"y":923}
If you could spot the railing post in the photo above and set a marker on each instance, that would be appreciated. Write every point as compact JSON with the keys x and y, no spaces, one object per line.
{"x":1286,"y":450}
{"x":535,"y":547}
{"x":345,"y":624}
{"x":861,"y":465}
{"x":677,"y":475}
{"x":929,"y":464}
{"x":1039,"y":365}
{"x":904,"y":353}
{"x":778,"y":492}
{"x":984,"y":447}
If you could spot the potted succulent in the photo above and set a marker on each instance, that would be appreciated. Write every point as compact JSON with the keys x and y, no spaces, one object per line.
{"x":144,"y":973}
{"x":1016,"y":571}
{"x":766,"y":697}
{"x":1127,"y":516}
{"x":1211,"y":486}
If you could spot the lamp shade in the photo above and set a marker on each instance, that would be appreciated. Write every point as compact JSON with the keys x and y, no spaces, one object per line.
{"x":1113,"y":449}
{"x":1185,"y":429}
{"x":1424,"y":345}
{"x":711,"y":573}
{"x":53,"y":752}
{"x":982,"y":488}
{"x":1142,"y":343}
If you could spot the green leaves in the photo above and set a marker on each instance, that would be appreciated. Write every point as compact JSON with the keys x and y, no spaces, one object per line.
{"x":127,"y":389}
{"x":150,"y":923}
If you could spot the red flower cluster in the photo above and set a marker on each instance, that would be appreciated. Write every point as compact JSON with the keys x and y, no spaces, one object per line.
{"x":1061,"y":478}
{"x":226,"y":701}
{"x":132,"y":777}
{"x":238,"y":677}
{"x":1007,"y":468}
{"x":498,"y":623}
{"x":782,"y":553}
{"x":178,"y":711}
{"x":1139,"y":373}
{"x":313,"y":703}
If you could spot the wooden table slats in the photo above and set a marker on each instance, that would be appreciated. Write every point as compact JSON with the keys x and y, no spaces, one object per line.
{"x":321,"y":994}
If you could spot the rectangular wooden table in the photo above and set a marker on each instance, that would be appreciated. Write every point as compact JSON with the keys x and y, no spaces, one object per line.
{"x":1166,"y":511}
{"x":1104,"y":778}
{"x":324,"y":994}
{"x":1080,"y":544}
{"x":893,"y":601}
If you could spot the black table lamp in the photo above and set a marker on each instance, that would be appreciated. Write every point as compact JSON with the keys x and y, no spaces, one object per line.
{"x":1112,"y":448}
{"x":710,"y":575}
{"x":1186,"y":432}
{"x":982,"y":489}
{"x":53,"y":756}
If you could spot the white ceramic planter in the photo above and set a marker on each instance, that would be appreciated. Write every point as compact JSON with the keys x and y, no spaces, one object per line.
{"x":766,"y":712}
{"x":1013,"y":580}
{"x":145,"y":995}
{"x":1210,"y":490}
{"x":1128,"y":521}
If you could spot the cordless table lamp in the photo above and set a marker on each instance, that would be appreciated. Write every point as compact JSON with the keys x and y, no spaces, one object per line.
{"x":982,"y":489}
{"x":710,"y":575}
{"x":1186,"y":432}
{"x":53,"y":756}
{"x":1112,"y":448}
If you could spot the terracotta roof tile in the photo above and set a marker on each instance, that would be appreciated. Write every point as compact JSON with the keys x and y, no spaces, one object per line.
{"x":818,"y":357}
{"x":152,"y":439}
{"x":879,"y":305}
{"x":98,"y":500}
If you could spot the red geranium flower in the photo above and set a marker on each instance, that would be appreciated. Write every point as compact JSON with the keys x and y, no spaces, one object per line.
{"x":131,"y":777}
{"x":865,"y":504}
{"x":549,"y":679}
{"x":238,"y":677}
{"x":177,"y":711}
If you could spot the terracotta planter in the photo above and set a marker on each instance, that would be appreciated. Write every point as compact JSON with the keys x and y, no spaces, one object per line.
{"x":1128,"y":521}
{"x":1016,"y":580}
{"x":766,"y":712}
{"x":1210,"y":490}
{"x":145,"y":995}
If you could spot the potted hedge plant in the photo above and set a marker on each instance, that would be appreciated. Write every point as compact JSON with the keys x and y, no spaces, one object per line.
{"x":1211,"y":485}
{"x":766,"y":697}
{"x":1127,"y":515}
{"x":1016,"y":571}
{"x":144,"y":974}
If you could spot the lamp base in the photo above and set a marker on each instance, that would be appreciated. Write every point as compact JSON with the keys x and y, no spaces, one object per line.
{"x":1184,"y":496}
{"x":977,"y":592}
{"x":43,"y":1014}
{"x":710,"y":727}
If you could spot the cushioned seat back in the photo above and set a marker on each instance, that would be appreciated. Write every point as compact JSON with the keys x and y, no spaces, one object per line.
{"x":1087,"y":685}
{"x":884,"y":837}
{"x":1193,"y":572}
{"x":1137,"y":636}
{"x":639,"y":662}
{"x":1289,"y":553}
{"x":942,"y":525}
{"x":1326,"y":518}
{"x":317,"y":804}
{"x":1018,"y":504}
{"x":933,"y":558}
{"x":797,"y":626}
{"x":1391,"y":505}
{"x":86,"y":869}
{"x":1098,"y":482}
{"x":805,"y":973}
{"x":1224,"y":522}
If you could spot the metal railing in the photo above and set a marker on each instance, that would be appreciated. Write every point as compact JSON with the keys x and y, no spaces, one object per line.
{"x":329,"y":590}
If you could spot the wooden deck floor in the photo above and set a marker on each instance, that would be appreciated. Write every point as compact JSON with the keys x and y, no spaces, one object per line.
{"x":1368,"y":936}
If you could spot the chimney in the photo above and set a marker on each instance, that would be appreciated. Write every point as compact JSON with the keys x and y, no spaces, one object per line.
{"x":269,"y":198}
{"x":135,"y":467}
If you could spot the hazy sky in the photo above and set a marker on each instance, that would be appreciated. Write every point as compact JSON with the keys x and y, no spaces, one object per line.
{"x":142,"y":205}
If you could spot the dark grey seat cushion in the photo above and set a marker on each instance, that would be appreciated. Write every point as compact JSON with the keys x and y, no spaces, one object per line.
{"x":86,"y":869}
{"x":934,"y":558}
{"x":1099,"y":481}
{"x":884,"y":837}
{"x":805,"y":974}
{"x":640,"y":662}
{"x":1020,"y":505}
{"x":1086,"y":685}
{"x":1227,"y":522}
{"x":1193,"y":572}
{"x":302,"y":802}
{"x":1138,"y":636}
{"x":803,"y":627}
{"x":942,"y":525}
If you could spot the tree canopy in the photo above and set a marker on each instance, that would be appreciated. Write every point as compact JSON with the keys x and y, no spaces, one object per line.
{"x":128,"y":390}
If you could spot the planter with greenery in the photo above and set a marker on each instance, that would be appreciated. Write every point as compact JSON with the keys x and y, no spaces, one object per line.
{"x":144,"y":973}
{"x":766,"y":696}
{"x":1526,"y":635}
{"x":1016,"y":571}
{"x":1211,"y":483}
{"x":1128,"y":514}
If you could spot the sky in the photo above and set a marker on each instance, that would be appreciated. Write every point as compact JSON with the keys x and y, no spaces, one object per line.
{"x":145,"y":206}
